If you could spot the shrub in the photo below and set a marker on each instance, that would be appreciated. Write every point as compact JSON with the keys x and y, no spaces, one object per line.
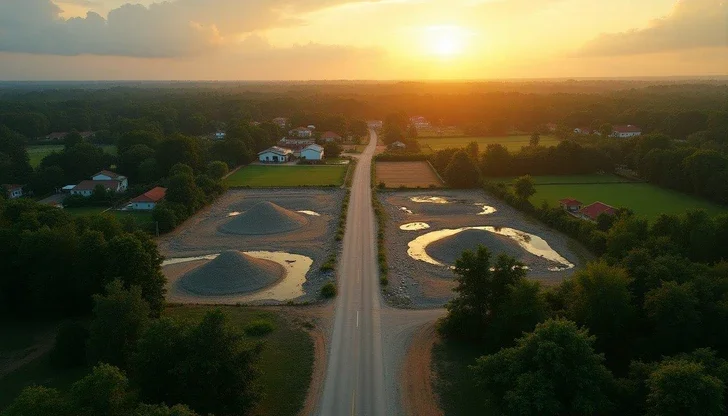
{"x":259,"y":328}
{"x":69,"y":349}
{"x":328,"y":291}
{"x":330,"y":264}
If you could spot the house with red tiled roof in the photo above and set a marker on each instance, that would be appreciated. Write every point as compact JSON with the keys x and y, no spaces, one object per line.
{"x":13,"y":191}
{"x":86,"y":188}
{"x":330,"y":137}
{"x":596,"y":209}
{"x":148,"y":200}
{"x":570,"y":204}
{"x":301,"y":132}
{"x":107,"y":175}
{"x":627,"y":131}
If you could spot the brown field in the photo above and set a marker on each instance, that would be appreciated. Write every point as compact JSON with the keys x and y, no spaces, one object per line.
{"x":407,"y":174}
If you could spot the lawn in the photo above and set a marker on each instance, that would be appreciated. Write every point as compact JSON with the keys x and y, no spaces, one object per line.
{"x":286,"y":362}
{"x":512,"y":143}
{"x":141,"y":217}
{"x":568,"y":179}
{"x":38,"y":152}
{"x":284,"y":176}
{"x":644,"y":199}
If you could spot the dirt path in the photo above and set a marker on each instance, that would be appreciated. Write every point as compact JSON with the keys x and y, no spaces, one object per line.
{"x":43,"y":344}
{"x":418,"y":395}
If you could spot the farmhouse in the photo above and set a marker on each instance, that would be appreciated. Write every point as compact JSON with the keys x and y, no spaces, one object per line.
{"x":14,"y":191}
{"x":106,"y":175}
{"x":148,"y":200}
{"x":280,"y":122}
{"x":397,"y":146}
{"x":419,"y":122}
{"x":275,"y":154}
{"x":584,"y":130}
{"x":300,"y":132}
{"x":570,"y":204}
{"x":86,"y":188}
{"x":330,"y":137}
{"x":596,"y":209}
{"x":626,"y":131}
{"x":313,"y":152}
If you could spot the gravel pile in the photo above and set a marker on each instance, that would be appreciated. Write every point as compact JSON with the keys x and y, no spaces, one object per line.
{"x":450,"y":248}
{"x":232,"y":272}
{"x":264,"y":218}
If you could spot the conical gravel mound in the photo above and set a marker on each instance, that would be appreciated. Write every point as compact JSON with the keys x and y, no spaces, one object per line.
{"x":232,"y":272}
{"x":264,"y":218}
{"x":449,"y":249}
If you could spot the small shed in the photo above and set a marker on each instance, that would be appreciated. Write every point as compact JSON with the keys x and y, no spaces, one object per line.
{"x":571,"y":204}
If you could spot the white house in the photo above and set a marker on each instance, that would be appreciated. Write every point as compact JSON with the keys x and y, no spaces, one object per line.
{"x":106,"y":175}
{"x":86,"y":188}
{"x":397,"y":146}
{"x":14,"y":191}
{"x":313,"y":152}
{"x":627,"y":131}
{"x":584,"y":130}
{"x":275,"y":154}
{"x":419,"y":122}
{"x":220,"y":135}
{"x":300,"y":132}
{"x":148,"y":200}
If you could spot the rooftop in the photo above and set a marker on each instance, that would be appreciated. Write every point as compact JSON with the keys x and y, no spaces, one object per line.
{"x":153,"y":195}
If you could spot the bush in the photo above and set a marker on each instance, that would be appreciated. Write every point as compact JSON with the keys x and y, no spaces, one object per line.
{"x":69,"y":349}
{"x":328,"y":291}
{"x":330,"y":264}
{"x":259,"y":328}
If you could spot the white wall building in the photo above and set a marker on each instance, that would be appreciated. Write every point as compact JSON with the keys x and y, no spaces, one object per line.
{"x":275,"y":154}
{"x":148,"y":200}
{"x":312,"y":152}
{"x":107,"y":175}
{"x":627,"y":131}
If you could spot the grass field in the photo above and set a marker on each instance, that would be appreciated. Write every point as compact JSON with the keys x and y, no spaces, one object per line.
{"x":141,"y":217}
{"x":286,"y":362}
{"x":512,"y":143}
{"x":37,"y":153}
{"x":406,"y":174}
{"x":568,"y":179}
{"x":257,"y":176}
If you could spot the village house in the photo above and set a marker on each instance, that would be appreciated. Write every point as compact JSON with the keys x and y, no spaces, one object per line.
{"x":330,"y":137}
{"x":220,"y":135}
{"x":106,"y":175}
{"x":570,"y":205}
{"x":593,"y":211}
{"x":148,"y":200}
{"x":300,"y":132}
{"x":275,"y":154}
{"x":86,"y":188}
{"x":419,"y":122}
{"x":13,"y":191}
{"x":281,"y":122}
{"x":627,"y":131}
{"x":313,"y":152}
{"x":397,"y":146}
{"x":584,"y":130}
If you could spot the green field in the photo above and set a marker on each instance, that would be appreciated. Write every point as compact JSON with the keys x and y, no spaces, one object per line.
{"x":286,"y":362}
{"x":568,"y":179}
{"x":38,"y":152}
{"x":257,"y":176}
{"x":141,"y":217}
{"x":512,"y":143}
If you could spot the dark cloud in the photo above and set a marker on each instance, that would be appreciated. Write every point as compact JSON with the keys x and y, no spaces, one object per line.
{"x":692,"y":24}
{"x":166,"y":29}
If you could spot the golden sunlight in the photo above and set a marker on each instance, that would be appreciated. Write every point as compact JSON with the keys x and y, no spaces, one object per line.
{"x":445,"y":41}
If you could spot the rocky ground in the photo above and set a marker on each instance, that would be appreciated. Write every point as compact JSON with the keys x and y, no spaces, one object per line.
{"x":201,"y":234}
{"x":417,"y":284}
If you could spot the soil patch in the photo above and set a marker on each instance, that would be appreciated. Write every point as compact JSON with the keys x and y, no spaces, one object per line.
{"x":232,"y":272}
{"x":418,"y":394}
{"x":407,"y":174}
{"x":264,"y":218}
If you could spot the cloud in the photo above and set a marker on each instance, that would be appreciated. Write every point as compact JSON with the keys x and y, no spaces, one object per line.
{"x":165,"y":29}
{"x":692,"y":24}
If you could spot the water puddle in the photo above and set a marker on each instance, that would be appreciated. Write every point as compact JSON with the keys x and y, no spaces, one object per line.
{"x":405,"y":210}
{"x":529,"y":242}
{"x":234,"y":214}
{"x":310,"y":213}
{"x":487,"y":210}
{"x":414,"y":226}
{"x":287,"y":288}
{"x":429,"y":200}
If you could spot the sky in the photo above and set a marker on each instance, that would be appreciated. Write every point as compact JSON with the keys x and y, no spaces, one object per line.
{"x":354,"y":39}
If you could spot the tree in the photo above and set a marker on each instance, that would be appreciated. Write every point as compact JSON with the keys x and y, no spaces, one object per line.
{"x":673,"y":311}
{"x":535,"y":139}
{"x":606,"y":130}
{"x":472,"y":149}
{"x":412,"y":131}
{"x":103,"y":392}
{"x":217,"y":169}
{"x":38,"y":401}
{"x":162,"y":410}
{"x":119,"y":319}
{"x":131,"y":160}
{"x":69,"y":349}
{"x":551,"y":371}
{"x":462,"y":172}
{"x":684,"y":388}
{"x":183,"y":190}
{"x":524,"y":188}
{"x":332,"y":150}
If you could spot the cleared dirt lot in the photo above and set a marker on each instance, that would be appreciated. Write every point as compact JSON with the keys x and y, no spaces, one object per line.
{"x":407,"y":174}
{"x":201,"y":235}
{"x":416,"y":283}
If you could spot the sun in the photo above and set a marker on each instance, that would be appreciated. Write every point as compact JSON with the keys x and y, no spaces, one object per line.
{"x":445,"y":41}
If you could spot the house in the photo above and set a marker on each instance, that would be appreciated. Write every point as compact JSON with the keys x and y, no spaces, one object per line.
{"x":280,"y":122}
{"x":626,"y":131}
{"x":148,"y":200}
{"x":275,"y":154}
{"x":570,"y":204}
{"x":220,"y":135}
{"x":86,"y":188}
{"x":313,"y":152}
{"x":330,"y":137}
{"x":419,"y":122}
{"x":13,"y":191}
{"x":311,"y":127}
{"x":584,"y":130}
{"x":107,"y":175}
{"x":300,"y":132}
{"x":596,"y":209}
{"x":397,"y":146}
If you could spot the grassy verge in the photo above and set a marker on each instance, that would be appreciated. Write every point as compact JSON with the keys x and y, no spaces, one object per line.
{"x":37,"y":153}
{"x":381,"y":217}
{"x":287,"y":176}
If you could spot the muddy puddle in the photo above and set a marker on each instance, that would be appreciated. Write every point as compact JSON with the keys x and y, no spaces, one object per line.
{"x":429,"y":200}
{"x":405,"y":210}
{"x":529,"y":242}
{"x":487,"y":210}
{"x":234,"y":213}
{"x":287,"y":288}
{"x":414,"y":226}
{"x":309,"y":213}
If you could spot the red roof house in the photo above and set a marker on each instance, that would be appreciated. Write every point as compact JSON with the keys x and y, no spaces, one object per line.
{"x":149,"y":199}
{"x":330,"y":136}
{"x":571,"y":204}
{"x":596,"y":209}
{"x":626,"y":131}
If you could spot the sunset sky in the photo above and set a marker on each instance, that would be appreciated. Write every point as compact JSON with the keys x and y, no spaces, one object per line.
{"x":350,"y":39}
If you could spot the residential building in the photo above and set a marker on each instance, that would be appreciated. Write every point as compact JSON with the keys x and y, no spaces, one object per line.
{"x":584,"y":130}
{"x":275,"y":154}
{"x":148,"y":200}
{"x":419,"y":122}
{"x":330,"y":137}
{"x":220,"y":135}
{"x":627,"y":131}
{"x":596,"y":209}
{"x":397,"y":146}
{"x":107,"y":175}
{"x":300,"y":132}
{"x":571,"y":204}
{"x":86,"y":188}
{"x":313,"y":152}
{"x":13,"y":191}
{"x":280,"y":122}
